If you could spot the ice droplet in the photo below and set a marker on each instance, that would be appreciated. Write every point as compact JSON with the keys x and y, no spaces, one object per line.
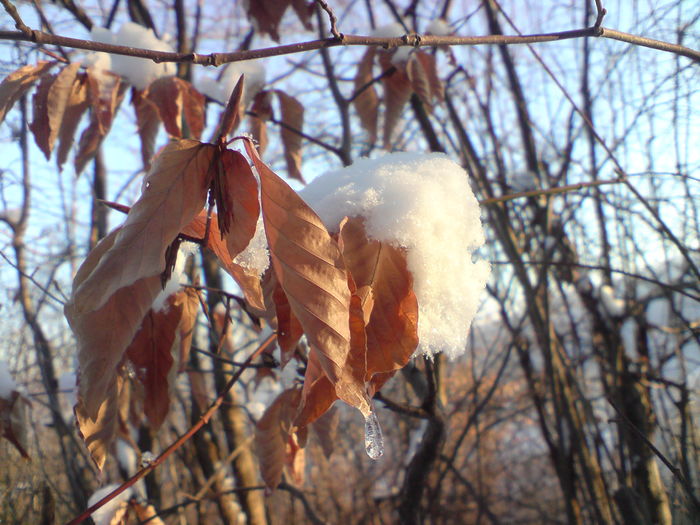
{"x":374,"y":441}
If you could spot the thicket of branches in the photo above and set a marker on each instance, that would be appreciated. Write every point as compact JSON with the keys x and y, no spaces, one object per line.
{"x":577,"y":398}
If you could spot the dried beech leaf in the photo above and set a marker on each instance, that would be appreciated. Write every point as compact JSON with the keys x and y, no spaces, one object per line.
{"x":18,"y":83}
{"x":310,"y":269}
{"x":40,"y":114}
{"x":50,"y":106}
{"x":397,"y":91}
{"x":249,"y":283}
{"x":367,"y":102}
{"x":241,"y":196}
{"x":233,"y":114}
{"x":173,"y":194}
{"x":392,"y":330}
{"x":267,"y":15}
{"x":325,"y":428}
{"x":176,"y":99}
{"x":100,"y":351}
{"x":148,"y":122}
{"x":75,"y":108}
{"x":293,"y":120}
{"x":437,"y":90}
{"x":99,"y":430}
{"x":289,"y":330}
{"x":420,"y":83}
{"x":188,"y":299}
{"x":272,"y":436}
{"x":14,"y":421}
{"x":261,"y":112}
{"x":318,"y":393}
{"x":147,"y":513}
{"x":105,"y":94}
{"x":304,"y":9}
{"x":151,"y":355}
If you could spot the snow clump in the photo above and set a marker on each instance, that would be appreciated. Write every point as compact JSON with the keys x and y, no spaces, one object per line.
{"x":438,"y":27}
{"x":105,"y":514}
{"x":256,"y":256}
{"x":140,"y":72}
{"x":401,"y":54}
{"x":220,"y":89}
{"x":422,"y":203}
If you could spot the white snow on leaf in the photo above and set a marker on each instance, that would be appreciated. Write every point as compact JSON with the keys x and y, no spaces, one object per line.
{"x":140,"y":72}
{"x":177,"y":277}
{"x":424,"y":204}
{"x":220,"y":89}
{"x":256,"y":256}
{"x":104,"y":515}
{"x":439,"y":27}
{"x":7,"y":384}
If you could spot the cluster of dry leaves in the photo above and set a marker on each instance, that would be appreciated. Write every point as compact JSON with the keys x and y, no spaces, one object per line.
{"x":350,"y":296}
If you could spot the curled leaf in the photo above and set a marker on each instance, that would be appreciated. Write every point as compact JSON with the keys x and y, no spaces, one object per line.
{"x":19,"y":82}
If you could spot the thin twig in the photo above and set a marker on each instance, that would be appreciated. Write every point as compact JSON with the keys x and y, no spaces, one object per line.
{"x":601,"y":12}
{"x":333,"y":19}
{"x":550,"y":191}
{"x":19,"y":23}
{"x":203,"y":420}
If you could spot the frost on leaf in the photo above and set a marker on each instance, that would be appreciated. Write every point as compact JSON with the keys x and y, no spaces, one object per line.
{"x":310,"y":269}
{"x":18,"y":83}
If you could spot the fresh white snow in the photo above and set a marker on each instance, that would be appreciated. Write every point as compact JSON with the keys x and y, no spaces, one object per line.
{"x":104,"y":515}
{"x":140,"y":72}
{"x":220,"y":89}
{"x":424,"y":204}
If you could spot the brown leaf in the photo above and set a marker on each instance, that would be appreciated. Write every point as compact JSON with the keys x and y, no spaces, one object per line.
{"x":274,"y":437}
{"x":261,"y":112}
{"x":293,"y":123}
{"x":105,"y":94}
{"x":325,"y":428}
{"x":151,"y":353}
{"x":249,"y":283}
{"x":392,"y":330}
{"x":175,"y":99}
{"x":267,"y":15}
{"x":174,"y":192}
{"x":420,"y":83}
{"x":14,"y":422}
{"x":437,"y":90}
{"x":18,"y":83}
{"x":198,"y":389}
{"x":237,"y":202}
{"x":147,"y":513}
{"x":397,"y":91}
{"x":100,"y":351}
{"x":318,"y":393}
{"x":50,"y":105}
{"x":100,"y":430}
{"x":367,"y":102}
{"x":304,"y":10}
{"x":189,"y":300}
{"x":289,"y":330}
{"x":233,"y":114}
{"x":75,"y":108}
{"x":147,"y":122}
{"x":310,"y":269}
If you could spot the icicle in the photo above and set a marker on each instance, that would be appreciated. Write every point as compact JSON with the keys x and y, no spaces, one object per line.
{"x":374,"y":441}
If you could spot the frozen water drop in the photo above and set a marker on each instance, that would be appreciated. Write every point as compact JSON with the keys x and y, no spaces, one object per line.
{"x":374,"y":441}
